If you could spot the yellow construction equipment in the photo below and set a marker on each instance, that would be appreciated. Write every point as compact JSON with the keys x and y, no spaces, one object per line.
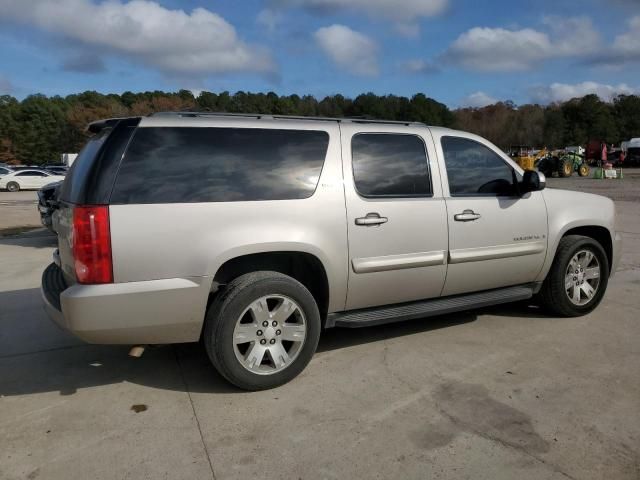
{"x":521,"y":154}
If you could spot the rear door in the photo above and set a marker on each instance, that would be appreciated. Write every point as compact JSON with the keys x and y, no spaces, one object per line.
{"x":497,"y":238}
{"x":396,"y":216}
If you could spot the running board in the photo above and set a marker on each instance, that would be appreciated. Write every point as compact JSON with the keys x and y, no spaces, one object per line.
{"x":368,"y":317}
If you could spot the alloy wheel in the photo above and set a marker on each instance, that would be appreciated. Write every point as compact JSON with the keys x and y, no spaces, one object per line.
{"x":582,"y":277}
{"x":269,"y":334}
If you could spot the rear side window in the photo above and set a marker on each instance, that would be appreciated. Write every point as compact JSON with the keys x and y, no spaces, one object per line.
{"x":474,"y":169}
{"x":390,"y":165}
{"x":180,"y":164}
{"x":81,"y":168}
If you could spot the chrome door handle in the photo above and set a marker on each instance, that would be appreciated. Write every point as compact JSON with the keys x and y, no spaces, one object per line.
{"x":371,"y":219}
{"x":466,"y":216}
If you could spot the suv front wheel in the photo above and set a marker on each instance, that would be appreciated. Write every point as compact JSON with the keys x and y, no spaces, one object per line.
{"x":262,"y":330}
{"x":578,"y":277}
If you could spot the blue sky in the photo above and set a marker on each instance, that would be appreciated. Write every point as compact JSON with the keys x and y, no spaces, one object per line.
{"x":460,"y":52}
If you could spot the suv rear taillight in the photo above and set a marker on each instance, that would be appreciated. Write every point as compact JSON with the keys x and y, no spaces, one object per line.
{"x":92,"y":244}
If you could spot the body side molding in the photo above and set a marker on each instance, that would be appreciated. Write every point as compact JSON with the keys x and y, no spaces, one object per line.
{"x":496,"y":251}
{"x":398,"y":262}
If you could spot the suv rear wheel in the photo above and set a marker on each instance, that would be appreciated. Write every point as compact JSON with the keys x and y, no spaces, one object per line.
{"x":578,"y":277}
{"x":262,"y":330}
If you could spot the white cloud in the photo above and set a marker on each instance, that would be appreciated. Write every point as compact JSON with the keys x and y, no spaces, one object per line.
{"x":418,"y":65}
{"x":173,"y":41}
{"x":349,"y":49}
{"x":269,"y":19}
{"x":404,"y":14}
{"x":627,"y":45}
{"x":499,"y":49}
{"x":6,"y":87}
{"x":397,"y":10}
{"x":573,"y":36}
{"x":478,"y":100}
{"x":560,"y":92}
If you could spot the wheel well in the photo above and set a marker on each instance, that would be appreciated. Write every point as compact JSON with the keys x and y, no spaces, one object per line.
{"x":304,"y":267}
{"x":600,"y":234}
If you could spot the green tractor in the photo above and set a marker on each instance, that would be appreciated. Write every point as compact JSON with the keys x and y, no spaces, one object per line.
{"x":564,"y":164}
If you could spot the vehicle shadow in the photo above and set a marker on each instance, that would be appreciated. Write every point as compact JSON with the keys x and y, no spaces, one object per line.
{"x":34,"y":238}
{"x":36,"y":356}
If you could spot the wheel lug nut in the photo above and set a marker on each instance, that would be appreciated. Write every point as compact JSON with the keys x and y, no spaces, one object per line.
{"x":263,"y":341}
{"x":275,"y":324}
{"x":259,"y":332}
{"x":272,"y":341}
{"x":278,"y":332}
{"x":266,"y":324}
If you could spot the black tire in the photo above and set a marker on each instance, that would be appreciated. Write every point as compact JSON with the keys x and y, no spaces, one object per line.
{"x":584,"y":170}
{"x":553,"y":295}
{"x":565,"y":168}
{"x":227,"y":308}
{"x":13,"y":187}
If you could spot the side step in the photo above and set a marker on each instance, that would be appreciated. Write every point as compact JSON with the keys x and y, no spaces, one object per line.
{"x":368,"y":317}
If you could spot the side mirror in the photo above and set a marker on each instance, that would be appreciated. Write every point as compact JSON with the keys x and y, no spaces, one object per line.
{"x":532,"y":181}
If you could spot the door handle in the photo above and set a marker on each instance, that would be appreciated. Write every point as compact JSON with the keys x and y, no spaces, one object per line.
{"x":466,"y":216}
{"x":371,"y":219}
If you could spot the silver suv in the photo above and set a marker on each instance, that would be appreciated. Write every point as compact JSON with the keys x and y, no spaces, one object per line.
{"x":255,"y":232}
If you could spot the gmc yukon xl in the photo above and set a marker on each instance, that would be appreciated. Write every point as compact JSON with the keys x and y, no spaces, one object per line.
{"x":252,"y":233}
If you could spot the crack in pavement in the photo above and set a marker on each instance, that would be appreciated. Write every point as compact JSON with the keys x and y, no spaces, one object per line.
{"x":195,"y":415}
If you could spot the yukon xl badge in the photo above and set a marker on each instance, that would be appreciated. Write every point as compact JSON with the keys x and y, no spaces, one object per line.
{"x":528,"y":237}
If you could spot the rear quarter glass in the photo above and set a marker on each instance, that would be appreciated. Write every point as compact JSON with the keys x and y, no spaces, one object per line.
{"x":216,"y":164}
{"x":90,"y":179}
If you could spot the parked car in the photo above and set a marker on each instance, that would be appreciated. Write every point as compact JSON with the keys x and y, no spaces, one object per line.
{"x":17,"y":168}
{"x":57,"y":169}
{"x":253,"y":233}
{"x":4,"y":171}
{"x":633,"y":152}
{"x":48,"y":203}
{"x":28,"y":180}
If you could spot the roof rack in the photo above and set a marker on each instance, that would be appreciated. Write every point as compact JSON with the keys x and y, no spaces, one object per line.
{"x":260,"y":116}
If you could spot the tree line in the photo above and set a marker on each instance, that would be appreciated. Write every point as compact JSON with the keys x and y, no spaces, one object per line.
{"x":37,"y":129}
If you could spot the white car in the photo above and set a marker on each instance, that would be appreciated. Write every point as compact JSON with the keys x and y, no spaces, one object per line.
{"x":28,"y":180}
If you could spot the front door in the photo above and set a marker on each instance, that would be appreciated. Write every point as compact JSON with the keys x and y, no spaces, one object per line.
{"x":496,"y":237}
{"x":396,"y":216}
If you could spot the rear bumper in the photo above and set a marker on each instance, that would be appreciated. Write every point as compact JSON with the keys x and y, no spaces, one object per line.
{"x":617,"y":253}
{"x":150,"y":312}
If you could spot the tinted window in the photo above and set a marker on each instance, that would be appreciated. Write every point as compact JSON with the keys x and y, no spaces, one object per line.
{"x":80,"y":170}
{"x":390,"y":165}
{"x":4,"y":170}
{"x":474,"y":169}
{"x":31,"y":174}
{"x":172,"y":165}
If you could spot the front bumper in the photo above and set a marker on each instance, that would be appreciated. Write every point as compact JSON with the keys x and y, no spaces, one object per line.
{"x":149,"y":312}
{"x":617,"y":253}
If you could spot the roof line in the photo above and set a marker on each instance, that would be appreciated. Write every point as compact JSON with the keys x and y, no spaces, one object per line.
{"x":260,"y":116}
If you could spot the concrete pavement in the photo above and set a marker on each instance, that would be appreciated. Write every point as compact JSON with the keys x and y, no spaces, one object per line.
{"x":497,"y":393}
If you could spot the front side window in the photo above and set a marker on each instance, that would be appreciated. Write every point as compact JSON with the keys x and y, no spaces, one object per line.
{"x":473,"y":169}
{"x":390,"y":165}
{"x":180,"y":164}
